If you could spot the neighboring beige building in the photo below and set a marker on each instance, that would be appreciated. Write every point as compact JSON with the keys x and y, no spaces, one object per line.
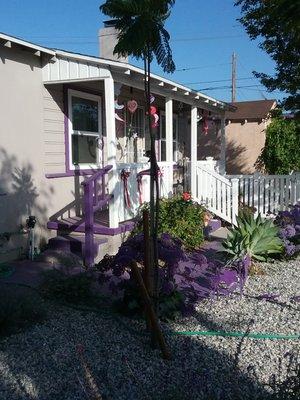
{"x":245,"y":134}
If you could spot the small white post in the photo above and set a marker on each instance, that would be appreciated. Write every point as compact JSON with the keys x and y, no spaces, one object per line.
{"x":169,"y":145}
{"x":194,"y":151}
{"x":223,"y":146}
{"x":113,"y":185}
{"x":234,"y":199}
{"x":297,"y":183}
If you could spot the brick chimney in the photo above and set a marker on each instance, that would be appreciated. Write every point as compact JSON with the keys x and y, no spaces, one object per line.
{"x":108,"y":38}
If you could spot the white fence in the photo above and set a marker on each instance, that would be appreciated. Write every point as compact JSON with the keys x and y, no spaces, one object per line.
{"x":268,"y":194}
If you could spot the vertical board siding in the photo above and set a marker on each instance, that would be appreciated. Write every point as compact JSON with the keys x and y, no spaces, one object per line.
{"x":54,"y":135}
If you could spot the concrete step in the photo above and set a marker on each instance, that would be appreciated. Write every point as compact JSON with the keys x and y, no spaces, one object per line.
{"x":213,"y":225}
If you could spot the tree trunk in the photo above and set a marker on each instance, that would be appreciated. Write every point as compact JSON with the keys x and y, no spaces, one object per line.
{"x":154,"y":192}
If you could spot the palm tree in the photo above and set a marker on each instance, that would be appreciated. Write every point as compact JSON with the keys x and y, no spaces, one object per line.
{"x":141,"y":34}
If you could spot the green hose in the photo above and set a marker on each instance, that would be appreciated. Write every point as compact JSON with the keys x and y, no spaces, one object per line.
{"x":238,"y":334}
{"x":180,"y":333}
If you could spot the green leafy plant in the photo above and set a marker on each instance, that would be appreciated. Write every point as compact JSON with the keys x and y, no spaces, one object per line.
{"x":279,"y":155}
{"x":19,"y":309}
{"x":58,"y":285}
{"x":182,"y":219}
{"x":253,"y":236}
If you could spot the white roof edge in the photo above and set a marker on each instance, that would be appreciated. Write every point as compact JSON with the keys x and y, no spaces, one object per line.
{"x":126,"y":66}
{"x":24,"y":43}
{"x":112,"y":63}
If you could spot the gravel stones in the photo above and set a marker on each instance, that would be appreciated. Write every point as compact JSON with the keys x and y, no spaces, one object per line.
{"x":57,"y":359}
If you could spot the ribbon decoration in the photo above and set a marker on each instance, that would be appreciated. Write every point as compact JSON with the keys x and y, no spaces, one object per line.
{"x":139,"y":179}
{"x":124,"y":177}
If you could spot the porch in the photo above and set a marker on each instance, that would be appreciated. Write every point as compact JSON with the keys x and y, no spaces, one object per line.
{"x":106,"y":144}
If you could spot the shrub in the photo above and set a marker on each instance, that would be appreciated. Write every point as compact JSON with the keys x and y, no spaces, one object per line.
{"x":253,"y":236}
{"x":182,"y":219}
{"x":279,"y":155}
{"x":58,"y":285}
{"x":184,"y":278}
{"x":289,"y":230}
{"x":19,"y":309}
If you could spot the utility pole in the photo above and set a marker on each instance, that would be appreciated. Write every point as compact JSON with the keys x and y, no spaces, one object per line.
{"x":233,"y":78}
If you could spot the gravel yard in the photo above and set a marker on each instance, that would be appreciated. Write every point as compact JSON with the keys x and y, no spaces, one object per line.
{"x":76,"y":354}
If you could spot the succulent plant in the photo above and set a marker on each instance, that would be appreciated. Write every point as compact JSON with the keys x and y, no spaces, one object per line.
{"x":253,"y":236}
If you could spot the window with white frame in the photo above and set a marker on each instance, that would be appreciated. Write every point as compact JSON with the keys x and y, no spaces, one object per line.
{"x":162,"y":148}
{"x":85,"y":132}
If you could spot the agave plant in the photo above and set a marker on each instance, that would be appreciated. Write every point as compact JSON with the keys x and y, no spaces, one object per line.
{"x":254,"y":237}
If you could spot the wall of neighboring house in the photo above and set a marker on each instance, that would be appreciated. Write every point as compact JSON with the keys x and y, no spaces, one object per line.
{"x":244,"y":142}
{"x":31,"y":144}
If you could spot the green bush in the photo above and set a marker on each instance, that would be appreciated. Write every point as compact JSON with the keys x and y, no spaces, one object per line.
{"x":181,"y":218}
{"x":279,"y":156}
{"x":19,"y":309}
{"x":254,"y":237}
{"x":58,"y":285}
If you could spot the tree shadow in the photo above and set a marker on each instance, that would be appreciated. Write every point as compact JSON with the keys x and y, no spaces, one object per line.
{"x":235,"y":159}
{"x":22,"y":197}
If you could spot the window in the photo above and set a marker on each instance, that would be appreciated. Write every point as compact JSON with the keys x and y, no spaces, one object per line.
{"x":135,"y":134}
{"x":84,"y":130}
{"x":162,"y":140}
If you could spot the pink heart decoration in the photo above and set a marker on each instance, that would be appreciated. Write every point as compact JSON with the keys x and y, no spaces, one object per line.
{"x":153,"y":110}
{"x":132,"y":106}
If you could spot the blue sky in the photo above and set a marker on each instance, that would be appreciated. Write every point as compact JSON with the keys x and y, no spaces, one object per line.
{"x":204,"y":36}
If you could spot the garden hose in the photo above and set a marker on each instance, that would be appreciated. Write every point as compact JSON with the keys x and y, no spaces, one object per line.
{"x":238,"y":334}
{"x":176,"y":333}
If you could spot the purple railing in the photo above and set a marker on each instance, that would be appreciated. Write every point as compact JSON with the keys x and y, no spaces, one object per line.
{"x":93,"y":200}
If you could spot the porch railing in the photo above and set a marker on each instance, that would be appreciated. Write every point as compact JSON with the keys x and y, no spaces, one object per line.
{"x":139,"y":192}
{"x":217,"y":193}
{"x":94,"y":197}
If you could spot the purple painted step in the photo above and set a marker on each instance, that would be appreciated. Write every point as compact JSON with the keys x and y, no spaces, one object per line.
{"x":74,"y":244}
{"x":213,"y":225}
{"x":76,"y":224}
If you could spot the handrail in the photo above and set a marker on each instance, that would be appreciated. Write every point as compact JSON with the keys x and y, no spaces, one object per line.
{"x":97,"y":175}
{"x":90,"y":201}
{"x":214,"y":174}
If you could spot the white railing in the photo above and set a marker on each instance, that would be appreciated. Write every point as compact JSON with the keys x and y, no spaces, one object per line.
{"x":217,"y":193}
{"x":268,"y":194}
{"x":136,"y":196}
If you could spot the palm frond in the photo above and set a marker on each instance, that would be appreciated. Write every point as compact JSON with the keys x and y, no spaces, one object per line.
{"x":163,"y":52}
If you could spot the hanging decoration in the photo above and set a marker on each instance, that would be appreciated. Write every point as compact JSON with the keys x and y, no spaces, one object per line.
{"x":205,"y":126}
{"x":124,"y":177}
{"x":118,"y":107}
{"x":153,"y":113}
{"x":132,"y":106}
{"x":152,"y":98}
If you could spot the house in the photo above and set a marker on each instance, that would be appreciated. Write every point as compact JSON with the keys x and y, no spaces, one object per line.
{"x":73,"y":141}
{"x":245,"y":136}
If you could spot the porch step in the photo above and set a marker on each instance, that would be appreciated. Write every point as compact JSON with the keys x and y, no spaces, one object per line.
{"x":76,"y":245}
{"x":76,"y":224}
{"x":213,"y":225}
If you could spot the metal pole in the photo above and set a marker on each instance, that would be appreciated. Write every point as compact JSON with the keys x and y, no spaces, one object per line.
{"x":233,"y":78}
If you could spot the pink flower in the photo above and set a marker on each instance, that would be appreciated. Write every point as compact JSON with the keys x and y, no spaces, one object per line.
{"x":186,"y":196}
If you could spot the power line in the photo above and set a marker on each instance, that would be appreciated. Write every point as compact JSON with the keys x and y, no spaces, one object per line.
{"x":200,"y":67}
{"x":221,"y":80}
